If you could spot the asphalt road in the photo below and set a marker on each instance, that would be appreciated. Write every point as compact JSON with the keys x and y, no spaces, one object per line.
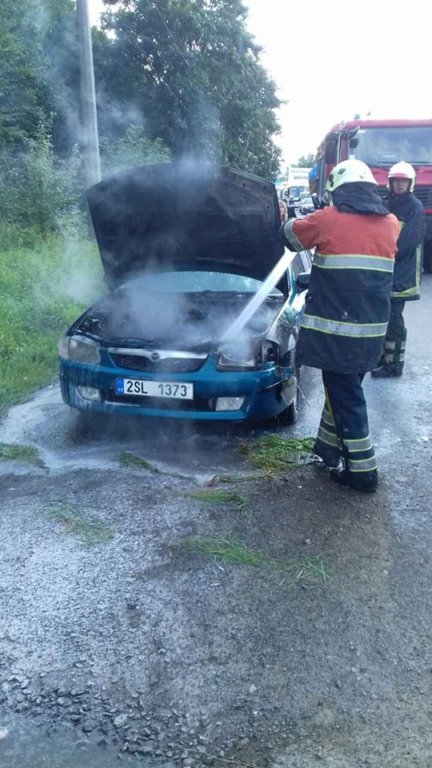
{"x":117,"y":643}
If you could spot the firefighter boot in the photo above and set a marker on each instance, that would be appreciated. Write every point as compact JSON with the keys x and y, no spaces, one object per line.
{"x":387,"y":371}
{"x":328,"y":454}
{"x":366,"y":482}
{"x":339,"y":474}
{"x":394,"y":358}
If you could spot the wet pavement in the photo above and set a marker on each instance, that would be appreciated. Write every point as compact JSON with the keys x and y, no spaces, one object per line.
{"x":130,"y":650}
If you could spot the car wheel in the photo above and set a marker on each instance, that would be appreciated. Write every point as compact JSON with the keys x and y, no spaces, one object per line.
{"x":290,"y":414}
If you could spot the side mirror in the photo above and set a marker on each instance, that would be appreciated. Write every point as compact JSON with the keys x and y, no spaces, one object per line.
{"x":354,"y":142}
{"x":316,"y":200}
{"x":302,"y":281}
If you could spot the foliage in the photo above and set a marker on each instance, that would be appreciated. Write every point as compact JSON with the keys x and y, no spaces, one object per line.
{"x":37,"y":303}
{"x":23,"y":99}
{"x":39,"y":71}
{"x":131,"y":149}
{"x":306,"y":161}
{"x":59,"y":42}
{"x":89,"y":530}
{"x":272,"y":453}
{"x":15,"y":452}
{"x":132,"y":461}
{"x":236,"y":552}
{"x":191,"y":73}
{"x":36,"y":189}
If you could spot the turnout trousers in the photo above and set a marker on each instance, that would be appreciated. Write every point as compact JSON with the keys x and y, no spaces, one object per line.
{"x":395,"y":339}
{"x":344,"y":429}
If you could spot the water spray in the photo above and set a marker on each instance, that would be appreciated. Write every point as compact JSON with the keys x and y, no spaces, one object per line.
{"x":259,"y":297}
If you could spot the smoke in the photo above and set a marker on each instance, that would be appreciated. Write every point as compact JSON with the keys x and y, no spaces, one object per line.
{"x":170,"y":309}
{"x":67,"y":276}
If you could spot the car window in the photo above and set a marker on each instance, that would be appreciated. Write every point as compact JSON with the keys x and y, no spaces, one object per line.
{"x":180,"y":282}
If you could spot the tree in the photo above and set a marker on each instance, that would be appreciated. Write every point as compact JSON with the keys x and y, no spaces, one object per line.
{"x":190,"y":73}
{"x":134,"y":148}
{"x":306,"y":161}
{"x":23,"y":97}
{"x":39,"y":77}
{"x":58,"y":26}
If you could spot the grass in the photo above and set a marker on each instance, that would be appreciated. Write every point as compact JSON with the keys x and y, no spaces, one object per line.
{"x":303,"y":569}
{"x":132,"y":461}
{"x":43,"y":287}
{"x":89,"y":530}
{"x":212,"y":496}
{"x":15,"y":452}
{"x":272,"y":454}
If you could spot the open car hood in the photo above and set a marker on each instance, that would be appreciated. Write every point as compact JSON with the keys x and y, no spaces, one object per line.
{"x":185,"y":216}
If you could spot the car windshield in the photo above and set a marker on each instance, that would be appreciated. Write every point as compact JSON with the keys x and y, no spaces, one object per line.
{"x":197,"y":282}
{"x":385,"y":146}
{"x":296,"y":191}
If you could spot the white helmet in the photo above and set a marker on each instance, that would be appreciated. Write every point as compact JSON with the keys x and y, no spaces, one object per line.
{"x":403,"y":170}
{"x":348,"y":172}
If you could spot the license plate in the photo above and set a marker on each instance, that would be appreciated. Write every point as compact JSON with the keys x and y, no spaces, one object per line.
{"x":141,"y":388}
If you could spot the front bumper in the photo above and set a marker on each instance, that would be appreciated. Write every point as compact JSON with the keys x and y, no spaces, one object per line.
{"x":261,"y":390}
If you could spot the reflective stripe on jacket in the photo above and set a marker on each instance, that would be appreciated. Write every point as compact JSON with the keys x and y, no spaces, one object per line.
{"x":348,"y":303}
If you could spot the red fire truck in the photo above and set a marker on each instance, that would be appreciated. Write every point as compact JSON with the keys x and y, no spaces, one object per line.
{"x":380,"y":144}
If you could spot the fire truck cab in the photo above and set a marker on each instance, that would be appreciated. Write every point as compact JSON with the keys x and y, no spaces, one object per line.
{"x":381,"y":144}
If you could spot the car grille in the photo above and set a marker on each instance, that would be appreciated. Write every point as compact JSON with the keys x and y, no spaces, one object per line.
{"x":163,"y":365}
{"x":201,"y":404}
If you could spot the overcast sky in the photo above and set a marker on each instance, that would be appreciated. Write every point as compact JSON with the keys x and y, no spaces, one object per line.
{"x":333,"y":59}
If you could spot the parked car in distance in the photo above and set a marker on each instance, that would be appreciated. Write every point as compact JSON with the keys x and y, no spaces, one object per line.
{"x":184,"y":248}
{"x":307,"y":206}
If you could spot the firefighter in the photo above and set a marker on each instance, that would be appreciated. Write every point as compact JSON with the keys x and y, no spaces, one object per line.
{"x":406,"y":276}
{"x":347,"y":311}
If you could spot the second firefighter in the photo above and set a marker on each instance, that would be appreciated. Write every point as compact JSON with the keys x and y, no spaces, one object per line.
{"x":347,"y":311}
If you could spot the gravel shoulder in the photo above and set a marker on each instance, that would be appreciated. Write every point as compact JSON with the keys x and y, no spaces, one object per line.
{"x":307,"y":642}
{"x":145,"y":647}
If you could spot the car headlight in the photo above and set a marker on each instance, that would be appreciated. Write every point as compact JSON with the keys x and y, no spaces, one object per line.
{"x":270,"y":352}
{"x":79,"y":349}
{"x":237,"y":356}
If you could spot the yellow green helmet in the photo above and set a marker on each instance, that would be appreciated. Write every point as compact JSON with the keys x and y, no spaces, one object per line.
{"x":349,"y":172}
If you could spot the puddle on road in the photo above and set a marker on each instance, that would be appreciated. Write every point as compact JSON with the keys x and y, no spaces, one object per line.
{"x":30,"y":747}
{"x":199,"y":451}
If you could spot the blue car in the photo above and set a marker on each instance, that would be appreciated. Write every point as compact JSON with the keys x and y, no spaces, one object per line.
{"x":185,"y":249}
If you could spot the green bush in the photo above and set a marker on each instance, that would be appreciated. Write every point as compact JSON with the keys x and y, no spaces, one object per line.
{"x":38,"y":191}
{"x":42,"y":290}
{"x":134,"y":148}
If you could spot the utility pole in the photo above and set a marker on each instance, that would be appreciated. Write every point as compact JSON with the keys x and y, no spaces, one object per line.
{"x":89,"y":128}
